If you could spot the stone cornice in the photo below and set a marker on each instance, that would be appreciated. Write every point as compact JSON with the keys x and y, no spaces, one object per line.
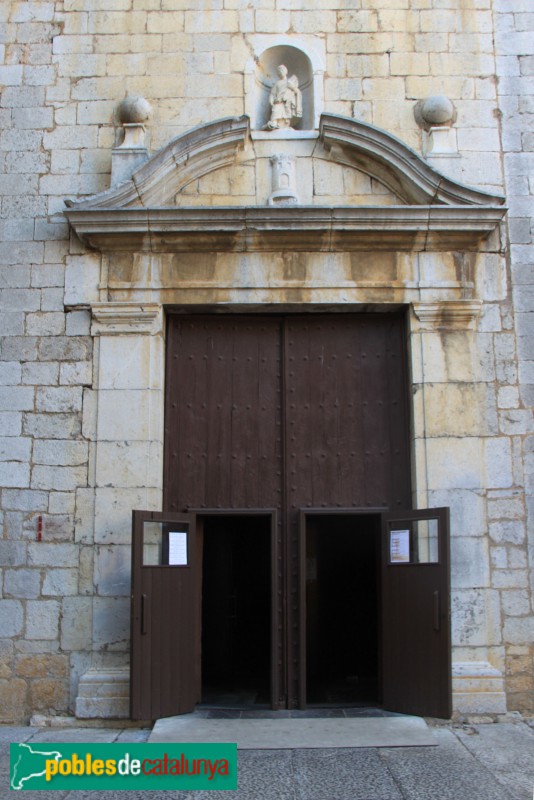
{"x":386,"y":158}
{"x":302,"y":228}
{"x":119,"y":318}
{"x":448,"y":315}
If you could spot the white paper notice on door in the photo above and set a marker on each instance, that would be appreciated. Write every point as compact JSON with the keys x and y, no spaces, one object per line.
{"x":399,"y":547}
{"x":177,"y":548}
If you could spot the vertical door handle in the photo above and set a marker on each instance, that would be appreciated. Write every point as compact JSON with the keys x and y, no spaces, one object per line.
{"x":436,"y":611}
{"x":144,"y":613}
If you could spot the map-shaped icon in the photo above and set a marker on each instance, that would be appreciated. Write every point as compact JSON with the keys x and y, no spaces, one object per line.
{"x":29,"y":762}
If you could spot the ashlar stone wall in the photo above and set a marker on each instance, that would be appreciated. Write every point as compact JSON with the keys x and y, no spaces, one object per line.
{"x":64,"y":67}
{"x":512,"y":562}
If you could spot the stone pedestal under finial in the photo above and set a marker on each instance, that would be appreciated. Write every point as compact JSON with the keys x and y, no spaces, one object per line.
{"x":435,"y":116}
{"x":133,"y":111}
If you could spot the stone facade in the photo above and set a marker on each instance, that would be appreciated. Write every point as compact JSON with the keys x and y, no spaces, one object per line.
{"x":83,"y":351}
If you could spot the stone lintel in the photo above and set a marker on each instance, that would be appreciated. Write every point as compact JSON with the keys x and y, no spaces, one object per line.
{"x":126,"y":318}
{"x":301,"y":228}
{"x":448,"y":314}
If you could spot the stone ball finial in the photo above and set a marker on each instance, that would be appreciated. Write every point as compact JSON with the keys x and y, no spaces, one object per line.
{"x":436,"y":110}
{"x":134,"y":110}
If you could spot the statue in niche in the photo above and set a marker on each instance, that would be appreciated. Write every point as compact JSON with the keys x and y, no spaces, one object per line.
{"x":286,"y":101}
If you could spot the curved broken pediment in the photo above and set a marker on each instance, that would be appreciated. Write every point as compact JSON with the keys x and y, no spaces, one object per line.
{"x":187,"y":157}
{"x":140,"y":214}
{"x":384,"y":157}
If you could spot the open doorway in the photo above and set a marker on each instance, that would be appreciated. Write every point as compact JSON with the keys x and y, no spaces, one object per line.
{"x":236,"y":610}
{"x":342,"y":609}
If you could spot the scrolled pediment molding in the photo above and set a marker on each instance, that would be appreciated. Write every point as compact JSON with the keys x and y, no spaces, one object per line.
{"x":386,"y":158}
{"x":452,"y":315}
{"x":110,"y":319}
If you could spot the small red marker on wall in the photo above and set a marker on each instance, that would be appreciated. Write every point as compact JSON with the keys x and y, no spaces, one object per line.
{"x":39,"y":528}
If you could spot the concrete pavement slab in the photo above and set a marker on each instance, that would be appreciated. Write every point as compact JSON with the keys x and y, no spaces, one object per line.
{"x":507,"y":749}
{"x":447,"y":772}
{"x":343,"y":775}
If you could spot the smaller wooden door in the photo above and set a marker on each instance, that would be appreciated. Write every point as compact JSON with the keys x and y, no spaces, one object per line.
{"x":416,"y":647}
{"x":165,"y":615}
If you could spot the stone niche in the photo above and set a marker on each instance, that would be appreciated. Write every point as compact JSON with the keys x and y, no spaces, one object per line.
{"x":297,"y":63}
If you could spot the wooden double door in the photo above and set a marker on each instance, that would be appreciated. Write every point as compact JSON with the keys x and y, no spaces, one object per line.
{"x":287,"y":466}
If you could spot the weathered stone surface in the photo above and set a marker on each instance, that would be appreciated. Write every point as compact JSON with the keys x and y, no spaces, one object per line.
{"x":11,"y":618}
{"x":22,"y":583}
{"x":42,"y":619}
{"x":13,"y":695}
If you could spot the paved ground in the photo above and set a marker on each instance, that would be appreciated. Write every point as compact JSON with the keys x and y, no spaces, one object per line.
{"x":472,"y":762}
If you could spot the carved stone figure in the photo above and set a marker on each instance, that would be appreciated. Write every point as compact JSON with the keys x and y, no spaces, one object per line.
{"x":286,"y":101}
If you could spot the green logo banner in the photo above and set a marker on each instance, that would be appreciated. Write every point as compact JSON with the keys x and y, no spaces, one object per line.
{"x":51,"y":765}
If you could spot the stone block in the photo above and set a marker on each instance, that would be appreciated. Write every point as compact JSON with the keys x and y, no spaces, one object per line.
{"x":498,"y":462}
{"x":111,"y":623}
{"x":519,"y":630}
{"x":514,"y":422}
{"x":516,"y":603}
{"x":52,"y":301}
{"x":14,"y":450}
{"x":62,"y":479}
{"x":78,"y":323}
{"x":507,"y":532}
{"x":65,"y":348}
{"x":48,"y":275}
{"x":14,"y":474}
{"x":469,"y":563}
{"x":42,"y":666}
{"x":45,"y":554}
{"x":459,"y":409}
{"x":113,"y":512}
{"x":510,"y":578}
{"x":11,"y":323}
{"x":86,"y":571}
{"x":113,"y":570}
{"x":508,"y":397}
{"x":60,"y":453}
{"x":128,"y":464}
{"x":42,"y":619}
{"x":22,"y":583}
{"x":104,"y":693}
{"x":50,"y":426}
{"x":13,"y":700}
{"x":76,"y":623}
{"x":11,"y":423}
{"x":45,"y":324}
{"x":454,"y":463}
{"x":85,"y":507}
{"x":10,"y":373}
{"x":59,"y":399}
{"x":82,"y":276}
{"x":129,"y":415}
{"x":6,"y":658}
{"x":60,"y":583}
{"x":18,"y":278}
{"x":51,"y":696}
{"x":11,"y":618}
{"x":478,"y":688}
{"x":35,"y":373}
{"x":467,"y":510}
{"x":505,"y":508}
{"x":475,"y":617}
